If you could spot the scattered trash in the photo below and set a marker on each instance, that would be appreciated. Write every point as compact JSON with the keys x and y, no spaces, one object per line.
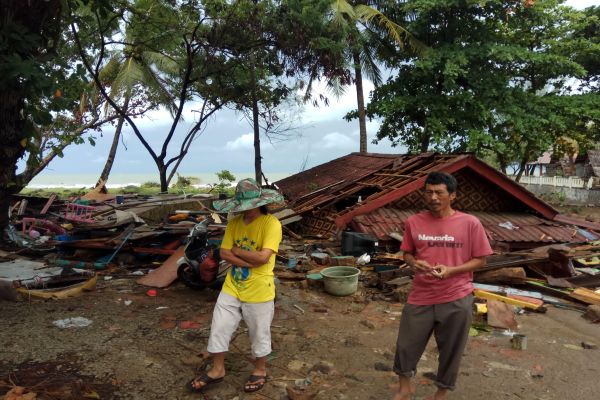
{"x":508,"y":225}
{"x":301,"y":393}
{"x":299,"y":308}
{"x":152,"y":292}
{"x":589,"y":346}
{"x":519,"y":342}
{"x":20,"y":393}
{"x":363,"y":259}
{"x":537,"y":371}
{"x":127,"y":302}
{"x":572,"y":346}
{"x":75,"y":322}
{"x":189,"y":325}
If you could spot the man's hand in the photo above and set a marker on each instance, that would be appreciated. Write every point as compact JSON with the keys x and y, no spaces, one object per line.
{"x":423,"y":266}
{"x":441,"y":271}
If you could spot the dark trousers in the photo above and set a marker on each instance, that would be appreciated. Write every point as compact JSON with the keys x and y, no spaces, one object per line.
{"x":449,"y":323}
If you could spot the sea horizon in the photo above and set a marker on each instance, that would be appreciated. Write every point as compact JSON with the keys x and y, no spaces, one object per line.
{"x":120,"y":180}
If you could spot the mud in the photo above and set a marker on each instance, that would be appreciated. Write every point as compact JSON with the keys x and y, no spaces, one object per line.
{"x":342,"y":348}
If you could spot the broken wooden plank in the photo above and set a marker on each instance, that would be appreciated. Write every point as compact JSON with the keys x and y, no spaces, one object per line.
{"x":51,"y":199}
{"x":482,"y":294}
{"x":165,"y":274}
{"x":586,"y":295}
{"x":505,"y":275}
{"x":22,"y":207}
{"x":501,"y":315}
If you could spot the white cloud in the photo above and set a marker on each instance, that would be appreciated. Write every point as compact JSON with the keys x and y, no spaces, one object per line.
{"x":246,"y":141}
{"x":580,"y":4}
{"x":336,"y":140}
{"x":338,"y":107}
{"x":99,"y":160}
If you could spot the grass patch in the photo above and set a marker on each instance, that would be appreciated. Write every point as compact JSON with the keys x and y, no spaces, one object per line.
{"x":142,"y":190}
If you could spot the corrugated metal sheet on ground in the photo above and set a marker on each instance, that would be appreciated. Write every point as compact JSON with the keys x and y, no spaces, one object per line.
{"x":531,"y":228}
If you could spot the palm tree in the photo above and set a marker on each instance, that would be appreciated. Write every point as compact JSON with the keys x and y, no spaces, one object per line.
{"x":135,"y":69}
{"x":362,"y":24}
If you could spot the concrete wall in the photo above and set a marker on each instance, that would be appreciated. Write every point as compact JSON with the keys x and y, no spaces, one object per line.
{"x":573,"y":196}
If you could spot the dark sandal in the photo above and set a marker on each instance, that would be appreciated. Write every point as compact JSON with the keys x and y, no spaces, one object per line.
{"x":202,"y":378}
{"x":255,"y":383}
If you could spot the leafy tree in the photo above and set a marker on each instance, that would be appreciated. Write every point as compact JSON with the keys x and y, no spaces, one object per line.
{"x":29,"y":37}
{"x":199,"y":70}
{"x":134,"y":70}
{"x":496,"y":80}
{"x":225,"y":178}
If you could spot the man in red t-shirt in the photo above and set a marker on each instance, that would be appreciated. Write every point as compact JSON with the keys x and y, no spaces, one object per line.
{"x":444,"y":247}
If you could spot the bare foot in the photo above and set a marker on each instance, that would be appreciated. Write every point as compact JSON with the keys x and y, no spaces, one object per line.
{"x":403,"y":395}
{"x":440,"y":394}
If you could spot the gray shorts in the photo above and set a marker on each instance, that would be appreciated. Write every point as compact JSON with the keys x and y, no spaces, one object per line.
{"x":227,"y":315}
{"x":449,"y":323}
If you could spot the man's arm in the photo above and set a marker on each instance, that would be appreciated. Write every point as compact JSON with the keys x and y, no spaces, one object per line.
{"x":246,"y":258}
{"x":227,"y":255}
{"x":255,"y":258}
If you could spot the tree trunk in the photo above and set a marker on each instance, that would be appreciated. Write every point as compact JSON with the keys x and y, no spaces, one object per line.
{"x":113,"y":148}
{"x":360,"y":102}
{"x":12,"y":136}
{"x":35,"y":22}
{"x":503,"y":164}
{"x":522,"y":167}
{"x":424,"y":143}
{"x":164,"y":182}
{"x":257,"y":156}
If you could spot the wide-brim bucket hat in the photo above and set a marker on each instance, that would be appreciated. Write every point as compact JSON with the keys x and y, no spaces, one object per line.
{"x":248,"y":195}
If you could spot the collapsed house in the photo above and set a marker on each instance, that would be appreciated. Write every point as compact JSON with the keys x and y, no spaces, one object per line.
{"x":375,"y":194}
{"x":586,"y":165}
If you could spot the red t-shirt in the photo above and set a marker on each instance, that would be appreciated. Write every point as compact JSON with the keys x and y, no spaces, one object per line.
{"x":450,"y":241}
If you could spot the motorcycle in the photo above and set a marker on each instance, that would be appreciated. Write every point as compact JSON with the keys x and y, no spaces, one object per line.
{"x":201,"y":267}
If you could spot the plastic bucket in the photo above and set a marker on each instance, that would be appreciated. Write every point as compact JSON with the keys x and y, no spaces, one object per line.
{"x":340,"y":281}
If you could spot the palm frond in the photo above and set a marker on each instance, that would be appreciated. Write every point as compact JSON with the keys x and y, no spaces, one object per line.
{"x":369,"y":66}
{"x":399,"y":34}
{"x":153,"y":82}
{"x":162,"y":62}
{"x":336,"y":87}
{"x":340,"y":10}
{"x":129,"y":74}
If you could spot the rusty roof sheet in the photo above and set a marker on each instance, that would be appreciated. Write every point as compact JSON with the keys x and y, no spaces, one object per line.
{"x":345,"y":169}
{"x":345,"y":176}
{"x":526,"y":227}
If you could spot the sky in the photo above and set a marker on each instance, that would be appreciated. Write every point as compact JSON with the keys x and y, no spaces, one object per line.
{"x":320,"y":134}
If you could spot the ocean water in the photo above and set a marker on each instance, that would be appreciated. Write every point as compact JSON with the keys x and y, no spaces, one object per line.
{"x":117,"y":180}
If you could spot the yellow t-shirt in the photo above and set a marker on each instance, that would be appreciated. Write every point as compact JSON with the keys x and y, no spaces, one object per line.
{"x":252,"y":285}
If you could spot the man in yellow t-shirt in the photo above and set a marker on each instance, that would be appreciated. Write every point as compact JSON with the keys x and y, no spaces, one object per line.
{"x":250,"y":244}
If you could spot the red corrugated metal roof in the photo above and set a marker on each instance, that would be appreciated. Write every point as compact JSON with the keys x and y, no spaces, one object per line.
{"x":415,"y":180}
{"x":341,"y":170}
{"x":346,"y":176}
{"x":528,"y":228}
{"x":578,"y":222}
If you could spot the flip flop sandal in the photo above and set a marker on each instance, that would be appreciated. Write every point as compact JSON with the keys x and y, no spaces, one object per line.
{"x":203,"y":378}
{"x":255,"y":383}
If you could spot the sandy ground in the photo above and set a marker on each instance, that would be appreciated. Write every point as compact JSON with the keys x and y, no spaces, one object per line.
{"x":342,"y":348}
